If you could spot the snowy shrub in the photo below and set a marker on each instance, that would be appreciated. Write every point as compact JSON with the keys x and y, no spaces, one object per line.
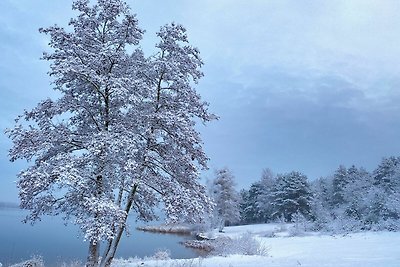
{"x":36,"y":261}
{"x":269,"y":234}
{"x":127,"y":262}
{"x":300,"y":225}
{"x":343,"y":224}
{"x":319,"y":224}
{"x":282,"y":224}
{"x":389,"y":224}
{"x":72,"y":264}
{"x":354,"y":225}
{"x":243,"y":245}
{"x":223,"y":245}
{"x":162,"y":255}
{"x":248,"y":245}
{"x":187,"y":263}
{"x":137,"y":262}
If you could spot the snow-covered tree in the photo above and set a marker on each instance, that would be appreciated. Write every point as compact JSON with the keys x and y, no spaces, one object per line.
{"x":355,"y":193}
{"x":121,"y":137}
{"x":359,"y":200}
{"x":256,"y":203}
{"x":265,"y":197}
{"x":245,"y":215}
{"x":249,"y":209}
{"x":387,"y":174}
{"x":322,"y":201}
{"x":338,"y":183}
{"x":386,"y":194}
{"x":292,"y":194}
{"x":226,"y":198}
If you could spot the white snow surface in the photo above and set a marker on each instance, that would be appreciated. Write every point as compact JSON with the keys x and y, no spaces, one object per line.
{"x":365,"y":249}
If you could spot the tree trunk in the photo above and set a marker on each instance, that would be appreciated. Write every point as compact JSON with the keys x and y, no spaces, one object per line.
{"x":112,"y":248}
{"x":109,"y":253}
{"x":94,"y":247}
{"x":93,"y":258}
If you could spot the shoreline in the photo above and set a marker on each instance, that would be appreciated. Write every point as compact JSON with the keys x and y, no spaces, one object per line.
{"x":177,"y":229}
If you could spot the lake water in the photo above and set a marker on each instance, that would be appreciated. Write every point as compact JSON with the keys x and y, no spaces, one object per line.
{"x":57,"y":243}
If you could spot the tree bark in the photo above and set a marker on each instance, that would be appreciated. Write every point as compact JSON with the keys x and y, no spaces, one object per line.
{"x":112,"y":247}
{"x":93,"y":258}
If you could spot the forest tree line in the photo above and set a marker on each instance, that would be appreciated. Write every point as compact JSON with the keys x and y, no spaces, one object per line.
{"x":351,"y":199}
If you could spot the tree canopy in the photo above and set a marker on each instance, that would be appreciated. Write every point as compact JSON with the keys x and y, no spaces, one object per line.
{"x":121,"y":138}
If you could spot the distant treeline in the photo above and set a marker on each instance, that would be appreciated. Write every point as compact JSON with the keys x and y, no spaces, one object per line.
{"x":8,"y":205}
{"x":350,"y":199}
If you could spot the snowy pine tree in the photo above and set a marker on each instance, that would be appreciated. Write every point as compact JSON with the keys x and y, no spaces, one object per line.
{"x":322,"y":201}
{"x":226,"y":198}
{"x":356,"y":203}
{"x":249,"y":204}
{"x":338,"y":183}
{"x":256,"y":203}
{"x":386,"y":194}
{"x":387,"y":174}
{"x":264,"y":197}
{"x":121,"y":138}
{"x":359,"y":200}
{"x":291,"y":195}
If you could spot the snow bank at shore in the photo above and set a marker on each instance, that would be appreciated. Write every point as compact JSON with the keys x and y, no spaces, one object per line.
{"x":367,"y":249}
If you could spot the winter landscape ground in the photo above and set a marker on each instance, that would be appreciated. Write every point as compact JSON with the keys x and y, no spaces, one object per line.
{"x":366,"y":249}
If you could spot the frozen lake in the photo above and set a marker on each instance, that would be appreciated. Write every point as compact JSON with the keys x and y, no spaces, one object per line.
{"x":58,"y":243}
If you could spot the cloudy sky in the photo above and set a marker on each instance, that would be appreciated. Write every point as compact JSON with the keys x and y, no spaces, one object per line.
{"x":298,"y":85}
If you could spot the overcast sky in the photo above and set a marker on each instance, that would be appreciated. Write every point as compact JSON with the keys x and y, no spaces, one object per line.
{"x":298,"y":85}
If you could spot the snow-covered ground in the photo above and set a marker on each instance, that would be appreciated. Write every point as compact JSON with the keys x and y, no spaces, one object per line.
{"x":367,"y":249}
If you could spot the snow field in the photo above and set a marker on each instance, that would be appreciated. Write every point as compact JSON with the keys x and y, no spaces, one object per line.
{"x":366,"y":249}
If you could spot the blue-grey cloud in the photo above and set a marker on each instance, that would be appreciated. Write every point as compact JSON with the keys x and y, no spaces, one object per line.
{"x":299,"y":85}
{"x":299,"y":121}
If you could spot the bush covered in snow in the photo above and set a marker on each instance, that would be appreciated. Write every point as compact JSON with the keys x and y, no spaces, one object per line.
{"x":245,"y":244}
{"x":162,"y":255}
{"x":72,"y":264}
{"x":36,"y":261}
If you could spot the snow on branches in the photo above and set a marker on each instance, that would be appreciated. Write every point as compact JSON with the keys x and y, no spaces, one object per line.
{"x":121,"y":136}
